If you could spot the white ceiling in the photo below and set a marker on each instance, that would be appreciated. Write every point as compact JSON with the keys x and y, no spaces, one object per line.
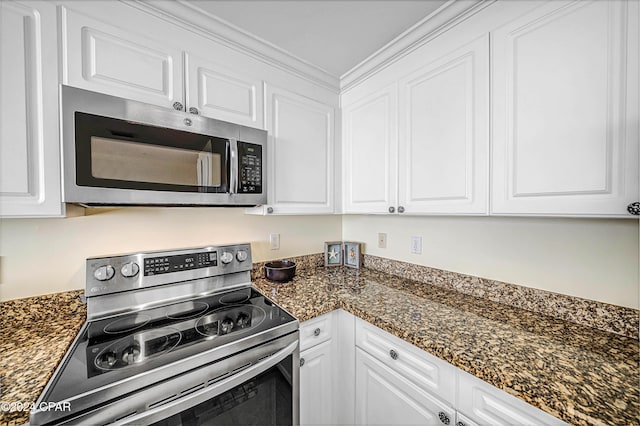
{"x":334,"y":35}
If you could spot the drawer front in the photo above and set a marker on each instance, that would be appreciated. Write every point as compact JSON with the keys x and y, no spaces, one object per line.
{"x":425,"y":370}
{"x":316,"y":331}
{"x":487,"y":405}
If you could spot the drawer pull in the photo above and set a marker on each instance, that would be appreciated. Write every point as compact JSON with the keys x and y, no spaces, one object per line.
{"x":316,"y":332}
{"x":393,"y":354}
{"x":444,"y":418}
{"x":460,"y":424}
{"x":301,"y":362}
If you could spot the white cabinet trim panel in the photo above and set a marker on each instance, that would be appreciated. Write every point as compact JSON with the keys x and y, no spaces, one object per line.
{"x":444,"y":133}
{"x":301,"y":153}
{"x":29,"y":148}
{"x":565,"y":110}
{"x":222,"y":93}
{"x":370,"y":139}
{"x":101,"y":57}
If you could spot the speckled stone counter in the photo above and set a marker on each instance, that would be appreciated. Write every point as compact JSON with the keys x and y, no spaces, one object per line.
{"x":579,"y":374}
{"x":36,"y":333}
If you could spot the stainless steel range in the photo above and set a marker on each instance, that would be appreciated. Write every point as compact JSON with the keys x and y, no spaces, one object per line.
{"x":177,"y":338}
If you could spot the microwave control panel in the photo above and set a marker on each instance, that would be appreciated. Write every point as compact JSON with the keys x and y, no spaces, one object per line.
{"x":249,"y":168}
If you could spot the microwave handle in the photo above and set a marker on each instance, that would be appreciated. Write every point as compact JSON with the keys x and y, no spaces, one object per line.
{"x":233,"y":171}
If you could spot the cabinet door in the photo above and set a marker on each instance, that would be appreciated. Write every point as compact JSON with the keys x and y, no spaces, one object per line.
{"x":370,"y":152}
{"x":224,"y":94}
{"x":29,"y":136}
{"x":301,"y":153}
{"x":316,"y":394}
{"x":385,"y":397}
{"x":488,"y":405}
{"x":565,"y":110}
{"x":107,"y":59}
{"x":444,"y":140}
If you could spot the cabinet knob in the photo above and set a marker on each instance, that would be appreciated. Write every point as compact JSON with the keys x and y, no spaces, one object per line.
{"x":634,"y":208}
{"x":392,"y":209}
{"x":400,"y":209}
{"x":444,"y":418}
{"x":393,"y":354}
{"x":301,"y":362}
{"x":194,"y":110}
{"x":269,"y":210}
{"x":178,"y":106}
{"x":316,"y":332}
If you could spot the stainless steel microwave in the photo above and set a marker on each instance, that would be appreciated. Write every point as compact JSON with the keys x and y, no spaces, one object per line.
{"x":121,"y":152}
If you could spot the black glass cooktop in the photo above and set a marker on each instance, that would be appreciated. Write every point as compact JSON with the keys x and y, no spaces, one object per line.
{"x":116,"y":348}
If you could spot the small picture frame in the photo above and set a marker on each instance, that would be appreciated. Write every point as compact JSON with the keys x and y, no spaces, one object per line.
{"x":352,"y":255}
{"x":333,"y":253}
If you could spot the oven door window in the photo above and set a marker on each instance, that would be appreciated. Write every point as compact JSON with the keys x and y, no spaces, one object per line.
{"x":114,"y":153}
{"x":266,"y":399}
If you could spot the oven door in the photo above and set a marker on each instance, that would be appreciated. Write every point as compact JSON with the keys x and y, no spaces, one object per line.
{"x":257,"y":386}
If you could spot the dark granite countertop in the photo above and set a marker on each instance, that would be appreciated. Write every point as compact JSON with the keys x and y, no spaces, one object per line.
{"x":579,"y":374}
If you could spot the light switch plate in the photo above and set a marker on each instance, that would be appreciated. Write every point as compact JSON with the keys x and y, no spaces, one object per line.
{"x":274,"y":241}
{"x":382,"y":240}
{"x":416,"y":245}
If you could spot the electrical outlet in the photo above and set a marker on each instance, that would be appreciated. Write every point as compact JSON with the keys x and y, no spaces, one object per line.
{"x":416,"y":245}
{"x":274,"y":241}
{"x":382,"y":240}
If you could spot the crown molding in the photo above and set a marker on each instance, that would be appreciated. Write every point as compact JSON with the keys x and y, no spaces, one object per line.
{"x":448,"y":15}
{"x":192,"y":18}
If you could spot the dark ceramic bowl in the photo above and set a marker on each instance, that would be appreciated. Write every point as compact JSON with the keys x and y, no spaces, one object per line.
{"x":280,"y":270}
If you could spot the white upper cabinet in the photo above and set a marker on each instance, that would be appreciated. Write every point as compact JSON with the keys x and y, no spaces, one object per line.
{"x":565,"y":110}
{"x":29,"y":149}
{"x":420,"y":145}
{"x":444,"y":133}
{"x":370,"y":134}
{"x":108,"y":59}
{"x":300,"y":151}
{"x":147,"y":67}
{"x":222,"y":93}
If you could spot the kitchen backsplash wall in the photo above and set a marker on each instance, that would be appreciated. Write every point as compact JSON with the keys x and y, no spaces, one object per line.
{"x":41,"y":256}
{"x":595,"y":259}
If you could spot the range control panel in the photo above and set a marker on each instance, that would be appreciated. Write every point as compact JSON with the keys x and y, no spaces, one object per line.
{"x":139,"y":270}
{"x":181,"y":262}
{"x":249,"y":168}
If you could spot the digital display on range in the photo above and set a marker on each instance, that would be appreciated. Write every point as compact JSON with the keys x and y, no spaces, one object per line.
{"x":179,"y":262}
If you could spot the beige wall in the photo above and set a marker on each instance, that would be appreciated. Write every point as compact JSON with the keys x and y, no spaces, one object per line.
{"x":591,"y":258}
{"x":41,"y":256}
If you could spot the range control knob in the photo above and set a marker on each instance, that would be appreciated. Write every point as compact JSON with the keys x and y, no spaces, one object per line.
{"x":243,"y":320}
{"x":241,"y":255}
{"x":106,"y":360}
{"x":226,"y":326}
{"x":131,"y":355}
{"x":130,"y":269}
{"x":226,"y":257}
{"x":104,"y":273}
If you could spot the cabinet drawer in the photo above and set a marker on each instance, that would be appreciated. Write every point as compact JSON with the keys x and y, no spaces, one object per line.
{"x":487,"y":405}
{"x":316,"y":331}
{"x":425,"y":370}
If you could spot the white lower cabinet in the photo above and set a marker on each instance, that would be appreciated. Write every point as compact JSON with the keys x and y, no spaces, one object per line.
{"x":383,"y":396}
{"x":356,"y":373}
{"x":316,"y":405}
{"x":317,"y":371}
{"x":488,"y":405}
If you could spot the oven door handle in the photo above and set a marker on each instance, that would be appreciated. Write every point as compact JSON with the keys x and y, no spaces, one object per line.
{"x":176,"y":406}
